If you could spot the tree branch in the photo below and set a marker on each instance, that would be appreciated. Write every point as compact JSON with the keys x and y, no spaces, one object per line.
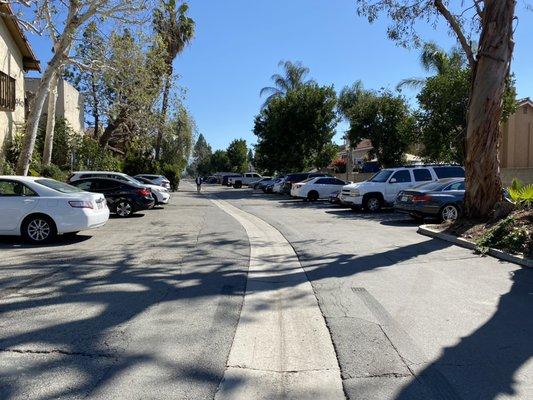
{"x":454,"y":24}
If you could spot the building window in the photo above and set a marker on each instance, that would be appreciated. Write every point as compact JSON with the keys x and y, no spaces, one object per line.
{"x":7,"y":92}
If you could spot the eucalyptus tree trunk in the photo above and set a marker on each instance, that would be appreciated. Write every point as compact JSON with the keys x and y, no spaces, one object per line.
{"x":483,"y":183}
{"x":36,"y":108}
{"x":51,"y":120}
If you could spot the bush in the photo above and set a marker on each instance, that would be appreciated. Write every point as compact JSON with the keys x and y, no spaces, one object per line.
{"x":507,"y":235}
{"x":89,"y":155}
{"x":54,"y":172}
{"x":520,"y":194}
{"x":138,"y":163}
{"x":173,"y":173}
{"x":6,"y":168}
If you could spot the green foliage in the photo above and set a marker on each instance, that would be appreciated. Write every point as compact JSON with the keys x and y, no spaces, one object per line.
{"x":237,"y":153}
{"x":442,"y":115}
{"x":54,"y":172}
{"x":294,"y":132}
{"x":90,"y":156}
{"x":443,"y":102}
{"x":381,"y":117}
{"x":64,"y":139}
{"x":506,"y":235}
{"x":172,"y":172}
{"x":521,"y":194}
{"x":293,"y":77}
{"x":201,"y":164}
{"x":91,"y":51}
{"x":220,"y":161}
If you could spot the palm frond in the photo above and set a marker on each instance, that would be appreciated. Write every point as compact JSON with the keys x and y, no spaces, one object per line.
{"x":414,"y":83}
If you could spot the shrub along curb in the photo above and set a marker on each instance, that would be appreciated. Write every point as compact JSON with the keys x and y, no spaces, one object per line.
{"x":502,"y":255}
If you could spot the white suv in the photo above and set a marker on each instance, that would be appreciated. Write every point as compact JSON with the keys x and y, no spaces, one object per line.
{"x":383,"y":188}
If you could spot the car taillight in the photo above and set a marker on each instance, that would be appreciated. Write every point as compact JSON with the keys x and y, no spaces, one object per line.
{"x":81,"y":204}
{"x":421,"y":198}
{"x":143,"y":192}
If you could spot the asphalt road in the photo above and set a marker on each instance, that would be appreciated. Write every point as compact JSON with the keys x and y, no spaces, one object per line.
{"x":148,"y":308}
{"x":143,"y":308}
{"x":410,"y":317}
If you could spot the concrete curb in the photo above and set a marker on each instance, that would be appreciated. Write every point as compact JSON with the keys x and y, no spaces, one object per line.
{"x":499,"y":254}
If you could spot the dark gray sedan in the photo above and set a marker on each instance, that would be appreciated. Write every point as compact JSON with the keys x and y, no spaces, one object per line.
{"x":442,"y":199}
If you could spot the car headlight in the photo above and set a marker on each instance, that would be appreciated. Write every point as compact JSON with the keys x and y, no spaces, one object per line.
{"x":354,"y":192}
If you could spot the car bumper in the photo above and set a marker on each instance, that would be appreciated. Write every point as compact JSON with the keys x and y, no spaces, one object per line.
{"x":143,"y":204}
{"x":351,"y":200}
{"x":81,"y":219}
{"x":163,"y":198}
{"x":419,"y":209}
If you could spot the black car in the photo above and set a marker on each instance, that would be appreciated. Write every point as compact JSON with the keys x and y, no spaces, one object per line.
{"x":442,"y":199}
{"x":123,"y":198}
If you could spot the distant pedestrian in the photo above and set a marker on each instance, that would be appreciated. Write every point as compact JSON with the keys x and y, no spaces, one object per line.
{"x":198,"y":184}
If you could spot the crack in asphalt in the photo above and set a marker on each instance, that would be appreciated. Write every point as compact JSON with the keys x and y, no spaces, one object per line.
{"x":58,"y":351}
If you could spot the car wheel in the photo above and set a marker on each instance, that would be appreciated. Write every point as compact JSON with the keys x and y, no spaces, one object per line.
{"x":312,"y":196}
{"x":449,"y":213}
{"x":123,"y":208}
{"x":39,"y":229}
{"x":373,"y":204}
{"x":237,"y":185}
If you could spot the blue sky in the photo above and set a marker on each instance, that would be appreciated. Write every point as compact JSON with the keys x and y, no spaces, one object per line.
{"x":239,"y":43}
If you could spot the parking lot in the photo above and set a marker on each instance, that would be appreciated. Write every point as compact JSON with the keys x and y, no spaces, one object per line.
{"x":147,"y":307}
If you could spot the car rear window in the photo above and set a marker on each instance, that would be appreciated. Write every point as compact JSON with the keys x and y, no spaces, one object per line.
{"x":449,"y":172}
{"x":422,"y":175}
{"x":58,"y":186}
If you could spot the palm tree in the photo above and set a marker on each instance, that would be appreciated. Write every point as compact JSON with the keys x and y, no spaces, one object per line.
{"x":176,"y":30}
{"x":292,"y":78}
{"x":434,"y":59}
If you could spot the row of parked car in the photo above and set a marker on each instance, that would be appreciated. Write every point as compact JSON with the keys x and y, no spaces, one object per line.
{"x":421,"y":191}
{"x":39,"y":208}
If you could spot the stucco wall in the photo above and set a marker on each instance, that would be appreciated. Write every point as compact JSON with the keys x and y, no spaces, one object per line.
{"x":69,"y":103}
{"x":11,"y":64}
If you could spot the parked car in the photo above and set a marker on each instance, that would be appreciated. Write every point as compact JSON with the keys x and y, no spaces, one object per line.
{"x":277,"y":187}
{"x":211,"y":180}
{"x":243,"y":180}
{"x":269,"y":187}
{"x":313,"y":189}
{"x":156,"y":180}
{"x":160,"y":194}
{"x":226,"y":177}
{"x":383,"y":188}
{"x":260,"y":184}
{"x":100,"y":174}
{"x":123,"y":198}
{"x":298,"y":177}
{"x":40,"y":208}
{"x":442,"y":199}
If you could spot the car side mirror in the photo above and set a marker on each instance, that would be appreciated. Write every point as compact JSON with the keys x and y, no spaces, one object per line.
{"x":393,"y":180}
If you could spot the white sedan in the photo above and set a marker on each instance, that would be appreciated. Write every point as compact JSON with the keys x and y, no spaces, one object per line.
{"x":160,"y":194}
{"x":40,"y":208}
{"x":313,"y":189}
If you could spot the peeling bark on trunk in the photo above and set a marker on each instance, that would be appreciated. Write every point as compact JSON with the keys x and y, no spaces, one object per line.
{"x":32,"y":123}
{"x":483,"y":183}
{"x":50,"y":121}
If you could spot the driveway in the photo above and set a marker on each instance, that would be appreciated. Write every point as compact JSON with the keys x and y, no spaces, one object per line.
{"x":410,"y":317}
